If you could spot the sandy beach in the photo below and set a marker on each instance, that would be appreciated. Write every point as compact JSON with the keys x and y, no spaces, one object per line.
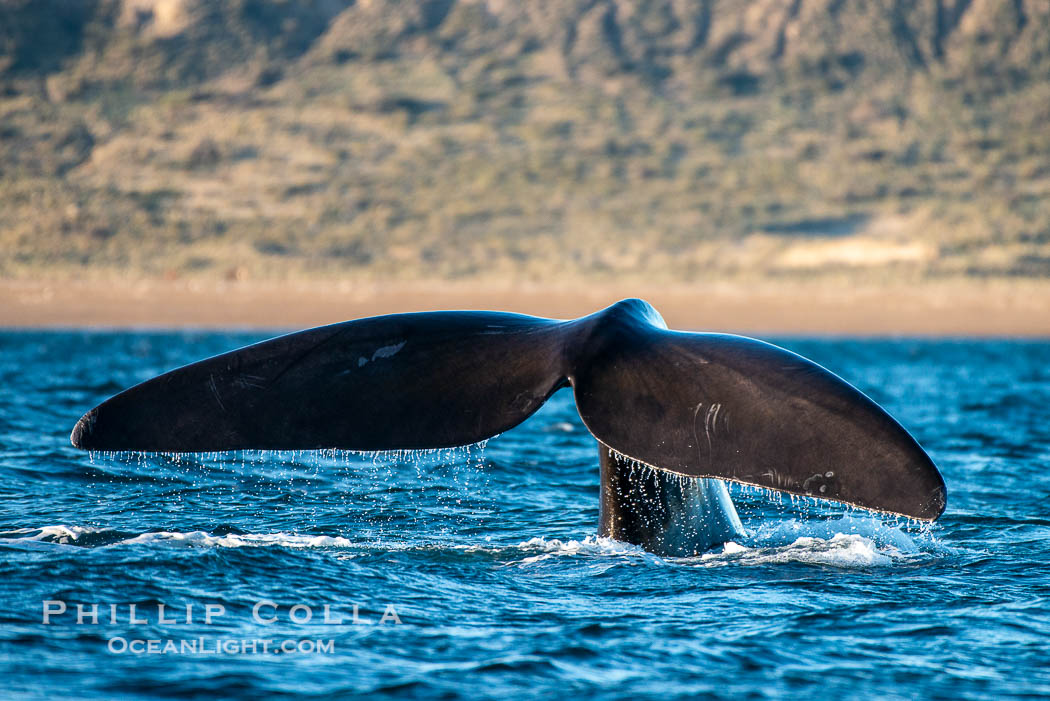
{"x":946,"y":308}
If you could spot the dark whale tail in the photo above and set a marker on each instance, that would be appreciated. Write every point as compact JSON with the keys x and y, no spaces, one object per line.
{"x":696,"y":404}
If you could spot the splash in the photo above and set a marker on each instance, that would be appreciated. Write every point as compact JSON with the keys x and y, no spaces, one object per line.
{"x":594,"y":546}
{"x":372,"y":484}
{"x":841,"y":550}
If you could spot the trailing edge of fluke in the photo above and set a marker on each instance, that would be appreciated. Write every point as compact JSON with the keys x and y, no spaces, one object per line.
{"x":695,"y":404}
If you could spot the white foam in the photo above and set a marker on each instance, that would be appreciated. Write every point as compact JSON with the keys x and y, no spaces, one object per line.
{"x":238,"y":540}
{"x":60,"y":534}
{"x":591,"y":545}
{"x":842,"y":550}
{"x":883,"y":536}
{"x":68,"y":535}
{"x":846,"y":542}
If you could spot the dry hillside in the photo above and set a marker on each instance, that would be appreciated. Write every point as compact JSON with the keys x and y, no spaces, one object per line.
{"x":664,"y":139}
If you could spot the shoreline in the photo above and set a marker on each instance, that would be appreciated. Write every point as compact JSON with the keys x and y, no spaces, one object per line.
{"x":1016,"y":308}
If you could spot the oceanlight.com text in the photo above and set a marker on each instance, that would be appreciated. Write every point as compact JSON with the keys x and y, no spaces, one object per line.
{"x":219,"y":646}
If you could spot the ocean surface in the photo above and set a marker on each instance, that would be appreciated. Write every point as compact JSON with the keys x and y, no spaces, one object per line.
{"x":476,"y":572}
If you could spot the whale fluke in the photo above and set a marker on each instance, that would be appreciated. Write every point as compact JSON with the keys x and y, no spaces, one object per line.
{"x":429,"y":380}
{"x":694,"y":404}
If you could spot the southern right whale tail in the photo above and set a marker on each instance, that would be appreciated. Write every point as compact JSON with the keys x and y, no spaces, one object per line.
{"x":694,"y":404}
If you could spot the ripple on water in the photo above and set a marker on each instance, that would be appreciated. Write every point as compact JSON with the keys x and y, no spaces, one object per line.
{"x":491,"y":558}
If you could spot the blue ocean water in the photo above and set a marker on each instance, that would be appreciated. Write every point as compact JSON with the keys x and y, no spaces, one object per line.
{"x":476,"y":572}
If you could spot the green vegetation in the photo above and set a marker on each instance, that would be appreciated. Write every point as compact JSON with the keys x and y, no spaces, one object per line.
{"x":670,"y":139}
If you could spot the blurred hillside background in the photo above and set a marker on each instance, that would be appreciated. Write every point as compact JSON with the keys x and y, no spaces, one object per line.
{"x":666,"y":140}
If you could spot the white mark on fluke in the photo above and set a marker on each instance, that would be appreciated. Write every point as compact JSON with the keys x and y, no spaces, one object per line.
{"x":384,"y":352}
{"x":696,"y":436}
{"x":388,"y":351}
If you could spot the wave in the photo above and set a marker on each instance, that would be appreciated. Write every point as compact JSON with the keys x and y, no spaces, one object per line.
{"x":232,"y":540}
{"x":593,"y":545}
{"x":86,"y":536}
{"x":845,"y":542}
{"x":777,"y":532}
{"x":842,"y":550}
{"x":848,"y":541}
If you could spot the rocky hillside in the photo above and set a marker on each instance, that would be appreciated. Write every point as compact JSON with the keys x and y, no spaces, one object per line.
{"x":461,"y":138}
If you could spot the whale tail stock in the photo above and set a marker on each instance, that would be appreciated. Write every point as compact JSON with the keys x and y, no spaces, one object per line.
{"x":695,"y":404}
